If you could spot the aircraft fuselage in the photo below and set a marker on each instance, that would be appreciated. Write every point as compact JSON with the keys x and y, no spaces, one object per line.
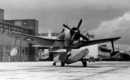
{"x":75,"y":55}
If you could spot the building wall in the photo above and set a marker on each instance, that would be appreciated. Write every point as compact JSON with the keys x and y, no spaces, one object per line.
{"x":25,"y":50}
{"x":93,"y":50}
{"x":7,"y":43}
{"x":1,"y":14}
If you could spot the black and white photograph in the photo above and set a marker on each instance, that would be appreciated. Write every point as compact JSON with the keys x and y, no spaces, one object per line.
{"x":64,"y":39}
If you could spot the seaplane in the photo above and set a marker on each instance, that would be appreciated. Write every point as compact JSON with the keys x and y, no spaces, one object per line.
{"x":70,"y":39}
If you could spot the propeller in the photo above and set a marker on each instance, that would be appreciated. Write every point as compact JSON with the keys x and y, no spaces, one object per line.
{"x":84,"y":37}
{"x":80,"y":22}
{"x":75,"y":32}
{"x":66,"y":26}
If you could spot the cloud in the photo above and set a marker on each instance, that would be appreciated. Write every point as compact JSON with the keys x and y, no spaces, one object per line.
{"x":67,"y":4}
{"x":117,"y":27}
{"x":109,"y":3}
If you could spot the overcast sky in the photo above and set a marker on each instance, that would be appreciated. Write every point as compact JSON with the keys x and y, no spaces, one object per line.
{"x":105,"y":18}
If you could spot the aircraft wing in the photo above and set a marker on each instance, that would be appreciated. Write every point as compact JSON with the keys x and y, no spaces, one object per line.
{"x":98,"y":41}
{"x":38,"y":40}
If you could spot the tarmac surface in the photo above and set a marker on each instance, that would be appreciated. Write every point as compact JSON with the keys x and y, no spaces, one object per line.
{"x":45,"y":71}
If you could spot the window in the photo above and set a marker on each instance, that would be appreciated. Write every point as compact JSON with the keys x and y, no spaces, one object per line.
{"x":18,"y":23}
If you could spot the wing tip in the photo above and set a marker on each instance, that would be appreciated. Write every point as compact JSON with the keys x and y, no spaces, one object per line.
{"x":118,"y":38}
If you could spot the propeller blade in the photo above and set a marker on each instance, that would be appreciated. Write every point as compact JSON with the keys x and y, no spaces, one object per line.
{"x":84,"y":37}
{"x":66,"y":27}
{"x":79,"y":24}
{"x":62,"y":30}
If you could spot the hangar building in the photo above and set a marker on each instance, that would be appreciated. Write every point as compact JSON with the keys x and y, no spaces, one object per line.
{"x":25,"y":50}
